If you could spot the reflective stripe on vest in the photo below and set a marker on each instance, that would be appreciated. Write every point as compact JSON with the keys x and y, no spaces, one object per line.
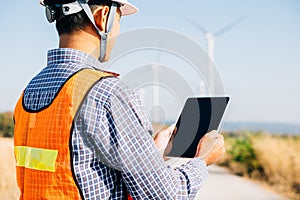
{"x":42,"y":141}
{"x":36,"y":158}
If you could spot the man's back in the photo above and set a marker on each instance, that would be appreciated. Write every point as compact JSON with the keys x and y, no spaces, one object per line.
{"x":40,"y":93}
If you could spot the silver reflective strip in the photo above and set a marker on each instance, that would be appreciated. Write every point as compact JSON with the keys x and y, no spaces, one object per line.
{"x":109,"y":25}
{"x":71,"y":8}
{"x":111,"y":17}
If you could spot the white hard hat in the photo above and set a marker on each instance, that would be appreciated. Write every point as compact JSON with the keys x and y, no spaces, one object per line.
{"x":126,"y":7}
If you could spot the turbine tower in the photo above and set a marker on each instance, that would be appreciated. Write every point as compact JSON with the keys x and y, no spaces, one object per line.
{"x":156,"y":100}
{"x":211,"y":38}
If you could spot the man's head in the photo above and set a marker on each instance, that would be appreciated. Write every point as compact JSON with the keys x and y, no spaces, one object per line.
{"x":99,"y":18}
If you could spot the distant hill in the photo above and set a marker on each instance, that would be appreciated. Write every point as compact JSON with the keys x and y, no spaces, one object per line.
{"x":274,"y":128}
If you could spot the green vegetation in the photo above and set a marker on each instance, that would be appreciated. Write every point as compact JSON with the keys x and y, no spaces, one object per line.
{"x":269,"y":158}
{"x":6,"y":125}
{"x":241,"y":155}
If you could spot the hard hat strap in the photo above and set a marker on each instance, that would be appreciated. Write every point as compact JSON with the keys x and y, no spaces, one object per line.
{"x":109,"y":24}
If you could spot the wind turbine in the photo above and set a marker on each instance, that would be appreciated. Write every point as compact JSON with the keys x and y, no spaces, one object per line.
{"x":211,"y":38}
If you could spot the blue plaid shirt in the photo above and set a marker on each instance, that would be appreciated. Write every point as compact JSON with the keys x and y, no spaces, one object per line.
{"x":113,"y":152}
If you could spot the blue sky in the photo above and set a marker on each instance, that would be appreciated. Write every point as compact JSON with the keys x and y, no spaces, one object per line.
{"x":259,"y":59}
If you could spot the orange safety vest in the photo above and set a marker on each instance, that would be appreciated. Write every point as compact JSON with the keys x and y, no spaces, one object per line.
{"x":42,"y":141}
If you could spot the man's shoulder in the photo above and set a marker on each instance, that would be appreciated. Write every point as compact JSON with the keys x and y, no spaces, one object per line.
{"x":110,"y":84}
{"x":109,"y":87}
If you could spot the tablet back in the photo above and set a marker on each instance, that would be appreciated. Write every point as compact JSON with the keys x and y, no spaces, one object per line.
{"x":199,"y":116}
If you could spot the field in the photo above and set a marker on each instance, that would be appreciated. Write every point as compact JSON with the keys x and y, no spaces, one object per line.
{"x":271,"y":159}
{"x":8,"y":186}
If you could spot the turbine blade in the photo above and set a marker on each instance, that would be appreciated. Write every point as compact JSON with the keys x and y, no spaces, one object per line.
{"x":229,"y":26}
{"x":192,"y":22}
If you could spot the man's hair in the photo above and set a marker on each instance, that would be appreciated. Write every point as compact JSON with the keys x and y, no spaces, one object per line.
{"x":78,"y":21}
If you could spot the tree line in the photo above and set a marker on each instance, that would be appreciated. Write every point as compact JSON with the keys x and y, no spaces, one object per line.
{"x":6,"y":124}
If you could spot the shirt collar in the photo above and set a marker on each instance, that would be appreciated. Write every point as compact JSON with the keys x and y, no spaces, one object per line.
{"x":67,"y":55}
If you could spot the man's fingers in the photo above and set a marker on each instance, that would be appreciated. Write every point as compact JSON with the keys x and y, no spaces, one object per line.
{"x":201,"y":142}
{"x":220,"y":144}
{"x":169,"y":130}
{"x":220,"y":139}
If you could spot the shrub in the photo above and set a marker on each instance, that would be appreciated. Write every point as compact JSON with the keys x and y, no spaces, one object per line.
{"x":241,"y":156}
{"x":6,"y":125}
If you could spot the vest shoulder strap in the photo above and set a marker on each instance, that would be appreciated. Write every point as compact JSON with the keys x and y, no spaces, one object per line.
{"x":84,"y":80}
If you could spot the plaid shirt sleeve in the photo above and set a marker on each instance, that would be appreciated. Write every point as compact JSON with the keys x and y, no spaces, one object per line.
{"x":120,"y":136}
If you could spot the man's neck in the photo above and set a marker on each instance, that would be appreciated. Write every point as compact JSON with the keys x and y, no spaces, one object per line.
{"x":81,"y":41}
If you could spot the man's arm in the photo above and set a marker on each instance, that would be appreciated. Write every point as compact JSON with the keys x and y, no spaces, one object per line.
{"x":130,"y":148}
{"x":144,"y":171}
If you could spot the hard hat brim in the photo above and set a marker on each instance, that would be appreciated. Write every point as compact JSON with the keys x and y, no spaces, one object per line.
{"x":128,"y":9}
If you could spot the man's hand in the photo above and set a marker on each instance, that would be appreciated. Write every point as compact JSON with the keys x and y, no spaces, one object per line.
{"x":162,"y":138}
{"x":211,"y":147}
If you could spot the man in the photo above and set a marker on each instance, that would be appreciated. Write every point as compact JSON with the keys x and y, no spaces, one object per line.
{"x":80,"y":133}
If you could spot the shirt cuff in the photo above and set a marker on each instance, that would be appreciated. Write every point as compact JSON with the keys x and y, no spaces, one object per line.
{"x":196,"y":173}
{"x":201,"y":174}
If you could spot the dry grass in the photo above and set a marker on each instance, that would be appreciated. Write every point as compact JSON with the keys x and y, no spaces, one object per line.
{"x":8,"y":185}
{"x":280,"y":158}
{"x":272,"y":159}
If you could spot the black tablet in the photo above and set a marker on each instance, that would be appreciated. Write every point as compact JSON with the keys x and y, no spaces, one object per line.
{"x":199,"y":116}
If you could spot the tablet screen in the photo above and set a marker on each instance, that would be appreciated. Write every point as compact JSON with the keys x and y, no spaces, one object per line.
{"x":198,"y":117}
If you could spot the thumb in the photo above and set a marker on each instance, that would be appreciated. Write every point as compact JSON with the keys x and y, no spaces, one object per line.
{"x":168,"y":131}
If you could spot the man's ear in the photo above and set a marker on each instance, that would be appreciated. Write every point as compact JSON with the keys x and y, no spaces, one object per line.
{"x":100,"y":16}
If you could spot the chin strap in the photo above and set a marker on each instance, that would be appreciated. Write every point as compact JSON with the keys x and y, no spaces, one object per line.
{"x":103,"y":35}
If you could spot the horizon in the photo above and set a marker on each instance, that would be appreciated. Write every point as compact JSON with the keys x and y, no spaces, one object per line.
{"x":268,"y":127}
